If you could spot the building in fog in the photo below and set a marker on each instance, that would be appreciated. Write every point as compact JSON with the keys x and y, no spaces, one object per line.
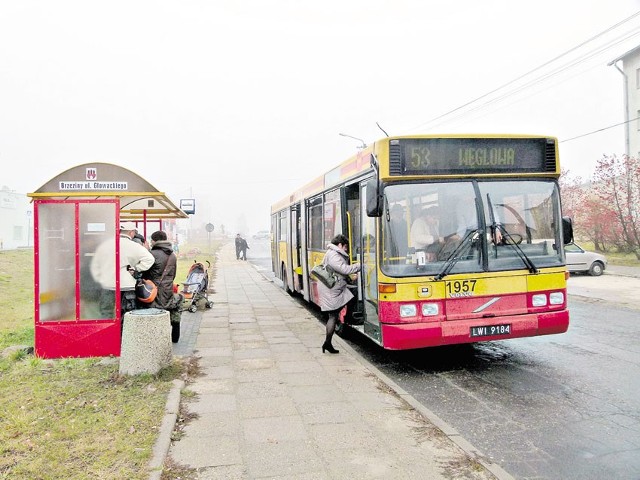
{"x":628,"y":65}
{"x":16,"y":220}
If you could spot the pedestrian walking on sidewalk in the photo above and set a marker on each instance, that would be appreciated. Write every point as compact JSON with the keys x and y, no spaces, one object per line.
{"x":244,"y":246}
{"x":238,"y":246}
{"x":241,"y":248}
{"x":333,"y":299}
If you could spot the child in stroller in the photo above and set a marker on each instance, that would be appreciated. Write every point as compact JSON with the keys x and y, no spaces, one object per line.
{"x":196,"y":287}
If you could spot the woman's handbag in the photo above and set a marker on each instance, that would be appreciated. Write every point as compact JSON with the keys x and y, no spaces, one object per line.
{"x":324,"y":274}
{"x":146,"y":290}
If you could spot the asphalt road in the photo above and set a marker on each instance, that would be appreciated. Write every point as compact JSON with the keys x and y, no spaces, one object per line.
{"x":553,"y":407}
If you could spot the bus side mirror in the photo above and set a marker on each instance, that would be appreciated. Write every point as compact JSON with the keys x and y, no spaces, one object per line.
{"x":374,"y":198}
{"x":567,"y":230}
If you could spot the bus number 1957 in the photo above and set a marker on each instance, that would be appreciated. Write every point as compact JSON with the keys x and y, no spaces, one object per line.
{"x":460,"y":288}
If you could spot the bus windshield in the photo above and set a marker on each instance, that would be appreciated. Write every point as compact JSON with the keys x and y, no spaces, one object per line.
{"x":440,"y":228}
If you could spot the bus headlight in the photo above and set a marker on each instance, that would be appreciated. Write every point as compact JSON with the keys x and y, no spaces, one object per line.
{"x":430,"y":309}
{"x":556,"y":298}
{"x":539,"y":300}
{"x":408,"y":310}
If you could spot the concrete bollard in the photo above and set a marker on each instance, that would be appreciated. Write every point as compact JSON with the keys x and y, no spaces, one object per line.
{"x":146,"y":342}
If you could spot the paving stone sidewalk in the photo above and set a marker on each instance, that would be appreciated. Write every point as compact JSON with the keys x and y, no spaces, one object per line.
{"x":270,"y":404}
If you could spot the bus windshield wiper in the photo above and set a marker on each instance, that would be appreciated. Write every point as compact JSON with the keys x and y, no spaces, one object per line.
{"x":508,"y":239}
{"x":469,"y":239}
{"x":511,"y":242}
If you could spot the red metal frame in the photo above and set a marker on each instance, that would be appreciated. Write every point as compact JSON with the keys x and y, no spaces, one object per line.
{"x":76,"y":337}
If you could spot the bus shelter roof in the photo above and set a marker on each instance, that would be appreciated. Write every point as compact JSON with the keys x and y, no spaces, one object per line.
{"x":139,"y":200}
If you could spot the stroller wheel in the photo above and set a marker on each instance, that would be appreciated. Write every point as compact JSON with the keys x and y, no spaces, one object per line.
{"x":175,"y":332}
{"x":193,"y":308}
{"x":209,"y":304}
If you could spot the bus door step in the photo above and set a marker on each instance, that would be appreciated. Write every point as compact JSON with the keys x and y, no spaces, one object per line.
{"x":357,"y":318}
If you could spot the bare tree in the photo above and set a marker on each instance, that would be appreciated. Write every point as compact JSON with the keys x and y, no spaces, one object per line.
{"x":573,"y":194}
{"x":591,"y":221}
{"x":617,"y":183}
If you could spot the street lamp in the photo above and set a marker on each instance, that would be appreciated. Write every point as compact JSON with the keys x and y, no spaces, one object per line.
{"x":364,"y":145}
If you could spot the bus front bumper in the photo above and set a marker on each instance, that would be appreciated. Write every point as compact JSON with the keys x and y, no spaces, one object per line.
{"x":419,"y":335}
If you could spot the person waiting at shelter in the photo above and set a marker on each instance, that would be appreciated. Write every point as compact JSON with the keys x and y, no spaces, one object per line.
{"x":133,"y":258}
{"x":139,"y":238}
{"x":163,"y":274}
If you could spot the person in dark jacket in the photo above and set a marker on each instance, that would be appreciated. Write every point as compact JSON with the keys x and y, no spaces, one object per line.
{"x":238,"y":246}
{"x":139,"y":238}
{"x":241,"y":248}
{"x":333,"y":299}
{"x":163,"y":274}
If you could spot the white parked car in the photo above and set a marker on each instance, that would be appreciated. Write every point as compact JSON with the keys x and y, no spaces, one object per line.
{"x":262,"y":235}
{"x":580,"y":260}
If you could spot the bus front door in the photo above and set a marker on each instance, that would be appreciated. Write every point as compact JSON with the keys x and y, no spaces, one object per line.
{"x":368,"y":278}
{"x":296,"y":247}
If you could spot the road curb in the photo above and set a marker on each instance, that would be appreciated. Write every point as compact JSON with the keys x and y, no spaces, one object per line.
{"x":440,"y":424}
{"x":163,"y":442}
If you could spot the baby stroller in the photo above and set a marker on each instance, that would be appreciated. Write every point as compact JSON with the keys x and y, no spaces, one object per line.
{"x":196,"y":286}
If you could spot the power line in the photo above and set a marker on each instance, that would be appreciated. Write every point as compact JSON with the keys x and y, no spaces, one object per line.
{"x":545,"y":77}
{"x":600,"y":130}
{"x":541,"y":78}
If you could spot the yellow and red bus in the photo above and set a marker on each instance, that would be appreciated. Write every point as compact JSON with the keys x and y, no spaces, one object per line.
{"x":497,"y":270}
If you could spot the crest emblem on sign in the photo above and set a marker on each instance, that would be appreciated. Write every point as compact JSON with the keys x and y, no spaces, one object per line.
{"x":92,"y":173}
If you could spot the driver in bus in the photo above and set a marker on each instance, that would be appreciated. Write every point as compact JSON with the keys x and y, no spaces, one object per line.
{"x":425,"y":234}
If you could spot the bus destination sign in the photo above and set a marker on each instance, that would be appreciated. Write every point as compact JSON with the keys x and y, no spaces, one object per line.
{"x":460,"y":156}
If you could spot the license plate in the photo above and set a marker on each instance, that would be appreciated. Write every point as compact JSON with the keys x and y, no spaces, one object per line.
{"x":491,"y":330}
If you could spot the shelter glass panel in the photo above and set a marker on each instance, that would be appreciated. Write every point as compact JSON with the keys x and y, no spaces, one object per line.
{"x":56,"y":262}
{"x":96,"y":225}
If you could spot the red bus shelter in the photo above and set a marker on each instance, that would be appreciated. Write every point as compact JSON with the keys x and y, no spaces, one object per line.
{"x":75,"y":212}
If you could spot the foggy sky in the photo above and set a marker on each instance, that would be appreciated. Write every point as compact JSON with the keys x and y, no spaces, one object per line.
{"x":238,"y":103}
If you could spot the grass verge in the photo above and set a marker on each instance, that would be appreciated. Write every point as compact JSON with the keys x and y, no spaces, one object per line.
{"x":73,"y":418}
{"x":16,"y":297}
{"x":78,"y":419}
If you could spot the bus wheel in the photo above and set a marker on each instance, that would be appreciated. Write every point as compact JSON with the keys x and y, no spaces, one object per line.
{"x":285,"y":284}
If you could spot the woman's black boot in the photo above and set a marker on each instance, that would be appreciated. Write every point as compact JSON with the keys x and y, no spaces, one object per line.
{"x":329,"y":348}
